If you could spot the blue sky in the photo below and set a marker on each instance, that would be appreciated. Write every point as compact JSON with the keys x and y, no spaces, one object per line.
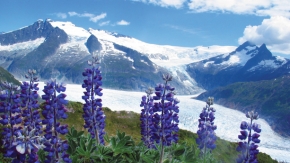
{"x":165,"y":22}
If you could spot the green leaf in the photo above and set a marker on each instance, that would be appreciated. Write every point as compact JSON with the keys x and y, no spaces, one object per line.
{"x":106,"y":137}
{"x":82,"y":144}
{"x":113,"y":142}
{"x":89,"y":146}
{"x":166,"y":161}
{"x":80,"y":133}
{"x":179,"y":152}
{"x":121,"y":143}
{"x":74,"y":133}
{"x":190,"y":157}
{"x":41,"y":155}
{"x":81,"y":151}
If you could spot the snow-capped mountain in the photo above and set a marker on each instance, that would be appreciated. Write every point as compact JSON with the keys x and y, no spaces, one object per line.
{"x":247,"y":63}
{"x":61,"y":50}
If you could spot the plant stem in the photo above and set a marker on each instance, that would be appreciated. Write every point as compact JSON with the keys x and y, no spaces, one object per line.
{"x":249,"y":140}
{"x":162,"y":125}
{"x":54,"y":125}
{"x":92,"y":107}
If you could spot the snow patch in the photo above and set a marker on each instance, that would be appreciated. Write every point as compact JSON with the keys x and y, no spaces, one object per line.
{"x":240,"y":58}
{"x":281,"y":59}
{"x":108,"y":47}
{"x":165,"y":55}
{"x":269,"y":64}
{"x":77,"y":36}
{"x":207,"y":63}
{"x":187,"y":83}
{"x":33,"y":44}
{"x":144,"y":62}
{"x":130,"y":59}
{"x":71,"y":29}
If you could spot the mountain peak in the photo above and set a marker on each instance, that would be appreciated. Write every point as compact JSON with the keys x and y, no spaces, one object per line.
{"x":265,"y":51}
{"x":245,"y":45}
{"x":48,"y":20}
{"x":93,"y":44}
{"x":34,"y":31}
{"x":263,"y":46}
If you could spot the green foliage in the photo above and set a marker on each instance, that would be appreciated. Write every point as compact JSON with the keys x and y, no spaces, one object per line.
{"x":2,"y":158}
{"x":41,"y":155}
{"x":264,"y":158}
{"x":6,"y":76}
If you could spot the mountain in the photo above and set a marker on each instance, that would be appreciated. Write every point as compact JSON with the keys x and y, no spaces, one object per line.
{"x":247,"y":63}
{"x":6,"y":76}
{"x":270,"y":98}
{"x":61,"y":50}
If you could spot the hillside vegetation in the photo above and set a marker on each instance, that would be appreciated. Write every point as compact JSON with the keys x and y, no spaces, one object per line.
{"x":6,"y":76}
{"x":128,"y":122}
{"x":270,"y":98}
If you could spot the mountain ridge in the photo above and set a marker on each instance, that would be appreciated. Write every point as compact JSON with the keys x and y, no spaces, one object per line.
{"x":247,"y":63}
{"x":53,"y":55}
{"x":62,"y":54}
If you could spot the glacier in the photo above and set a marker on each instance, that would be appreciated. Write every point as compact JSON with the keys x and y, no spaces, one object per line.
{"x":227,"y":120}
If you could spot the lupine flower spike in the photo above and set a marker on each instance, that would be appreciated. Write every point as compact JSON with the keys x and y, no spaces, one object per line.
{"x":29,"y":102}
{"x":165,"y":115}
{"x":248,"y":144}
{"x":53,"y":111}
{"x":10,"y":117}
{"x":146,"y":118}
{"x":206,"y":135}
{"x":93,"y":114}
{"x":28,"y":140}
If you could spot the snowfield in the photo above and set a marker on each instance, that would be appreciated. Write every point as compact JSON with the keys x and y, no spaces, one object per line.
{"x":227,"y":120}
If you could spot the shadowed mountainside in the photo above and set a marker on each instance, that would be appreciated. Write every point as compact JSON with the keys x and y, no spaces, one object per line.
{"x":270,"y":98}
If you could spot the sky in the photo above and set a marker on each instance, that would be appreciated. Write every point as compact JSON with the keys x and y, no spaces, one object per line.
{"x":185,"y":23}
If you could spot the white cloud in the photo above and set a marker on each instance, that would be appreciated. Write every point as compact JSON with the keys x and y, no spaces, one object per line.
{"x":274,"y":32}
{"x":123,"y":22}
{"x":98,"y":17}
{"x":72,"y":13}
{"x":253,"y":7}
{"x":256,"y":7}
{"x":61,"y":15}
{"x":104,"y":23}
{"x":93,"y":18}
{"x":165,"y":3}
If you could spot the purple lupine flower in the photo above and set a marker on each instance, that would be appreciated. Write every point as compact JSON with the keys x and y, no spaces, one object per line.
{"x":146,"y":118}
{"x":27,"y":144}
{"x":53,"y":111}
{"x":248,"y":144}
{"x":10,"y":116}
{"x":26,"y":140}
{"x":93,"y":114}
{"x":206,"y":135}
{"x":165,"y":115}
